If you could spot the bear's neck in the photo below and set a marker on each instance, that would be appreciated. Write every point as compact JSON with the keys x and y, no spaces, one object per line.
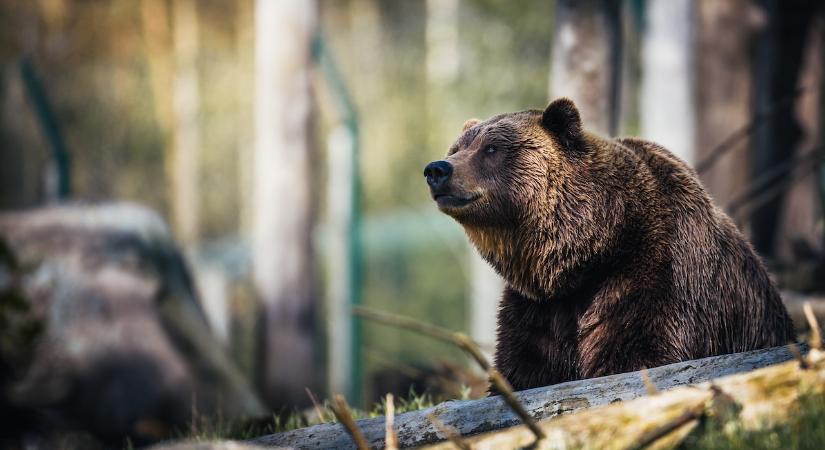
{"x":544,"y":259}
{"x":509,"y":260}
{"x":522,"y":260}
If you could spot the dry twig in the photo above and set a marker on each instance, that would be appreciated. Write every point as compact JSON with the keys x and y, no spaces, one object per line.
{"x":649,"y":385}
{"x":717,"y":403}
{"x":730,"y":142}
{"x":464,"y":342}
{"x":318,"y":409}
{"x":691,"y":414}
{"x":816,"y":333}
{"x":341,"y":410}
{"x":449,"y":432}
{"x":777,"y":178}
{"x":506,"y":391}
{"x":803,"y":363}
{"x":390,"y":438}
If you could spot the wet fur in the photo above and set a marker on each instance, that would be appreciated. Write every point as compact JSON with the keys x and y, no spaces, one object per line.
{"x":614,"y":256}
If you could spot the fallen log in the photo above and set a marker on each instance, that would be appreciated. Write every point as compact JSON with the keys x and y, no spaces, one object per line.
{"x":755,"y":400}
{"x":477,"y":416}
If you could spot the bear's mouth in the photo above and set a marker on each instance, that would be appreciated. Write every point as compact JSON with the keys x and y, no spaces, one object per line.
{"x":455,"y":201}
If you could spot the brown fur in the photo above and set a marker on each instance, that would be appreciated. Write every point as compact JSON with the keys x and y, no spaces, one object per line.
{"x":614,"y":256}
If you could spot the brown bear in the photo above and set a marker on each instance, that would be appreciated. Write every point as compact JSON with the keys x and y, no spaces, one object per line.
{"x":614,"y":256}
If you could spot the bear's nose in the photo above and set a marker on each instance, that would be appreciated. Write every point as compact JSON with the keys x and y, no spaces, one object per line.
{"x":437,"y":173}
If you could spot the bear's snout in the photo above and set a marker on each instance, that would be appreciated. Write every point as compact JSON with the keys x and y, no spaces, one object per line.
{"x":437,"y":173}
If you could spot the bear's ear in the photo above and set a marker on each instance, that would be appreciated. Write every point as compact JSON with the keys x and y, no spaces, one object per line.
{"x":561,"y":118}
{"x":469,"y":124}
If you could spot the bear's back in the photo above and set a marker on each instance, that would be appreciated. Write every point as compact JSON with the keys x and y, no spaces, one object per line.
{"x":716,"y":274}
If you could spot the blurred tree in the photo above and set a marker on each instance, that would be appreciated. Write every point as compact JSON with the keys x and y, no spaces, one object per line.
{"x":667,"y":112}
{"x":725,"y":32}
{"x":157,"y":40}
{"x":171,"y":57}
{"x":183,"y":162}
{"x":780,"y":59}
{"x":798,"y":247}
{"x":244,"y":52}
{"x":586,"y":60}
{"x":24,"y":157}
{"x":283,"y":198}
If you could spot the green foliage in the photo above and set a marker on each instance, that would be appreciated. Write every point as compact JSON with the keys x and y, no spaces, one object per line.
{"x":805,"y":430}
{"x":423,"y":278}
{"x":19,"y":329}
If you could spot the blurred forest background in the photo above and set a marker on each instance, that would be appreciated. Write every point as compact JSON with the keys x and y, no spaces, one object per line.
{"x":283,"y":142}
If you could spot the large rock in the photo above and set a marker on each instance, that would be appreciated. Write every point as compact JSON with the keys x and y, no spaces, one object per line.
{"x":120,"y":344}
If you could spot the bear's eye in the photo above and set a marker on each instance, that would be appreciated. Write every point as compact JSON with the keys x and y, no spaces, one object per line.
{"x":489,"y":149}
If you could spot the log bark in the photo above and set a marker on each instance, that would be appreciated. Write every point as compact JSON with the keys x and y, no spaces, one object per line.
{"x":488,"y":414}
{"x":757,"y":399}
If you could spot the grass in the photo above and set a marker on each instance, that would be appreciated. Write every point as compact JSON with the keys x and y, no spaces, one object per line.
{"x":204,"y":429}
{"x":805,"y":430}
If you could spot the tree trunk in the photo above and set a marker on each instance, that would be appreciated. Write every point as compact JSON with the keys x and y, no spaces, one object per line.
{"x":174,"y":80}
{"x":340,"y":185}
{"x":724,"y":87}
{"x":800,"y":225}
{"x":186,"y":132}
{"x":283,"y":199}
{"x":245,"y":51}
{"x":586,"y":59}
{"x":779,"y":62}
{"x":667,"y":113}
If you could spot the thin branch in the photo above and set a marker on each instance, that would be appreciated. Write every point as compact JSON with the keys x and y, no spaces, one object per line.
{"x":506,"y":391}
{"x":770,"y":177}
{"x":318,"y":409}
{"x":342,"y":413}
{"x":464,"y":342}
{"x":436,"y":379}
{"x":730,"y":142}
{"x":449,"y":432}
{"x":460,"y":340}
{"x":803,"y":363}
{"x":757,"y":202}
{"x":407,"y":323}
{"x":816,"y":333}
{"x":649,"y":385}
{"x":467,"y":377}
{"x":390,"y":438}
{"x":691,"y":414}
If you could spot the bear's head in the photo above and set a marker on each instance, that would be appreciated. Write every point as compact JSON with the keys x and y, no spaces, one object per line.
{"x":499,"y":168}
{"x":521,"y":185}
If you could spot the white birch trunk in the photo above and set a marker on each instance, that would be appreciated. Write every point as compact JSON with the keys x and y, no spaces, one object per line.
{"x":186,"y":133}
{"x":667,"y":106}
{"x":283,"y":217}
